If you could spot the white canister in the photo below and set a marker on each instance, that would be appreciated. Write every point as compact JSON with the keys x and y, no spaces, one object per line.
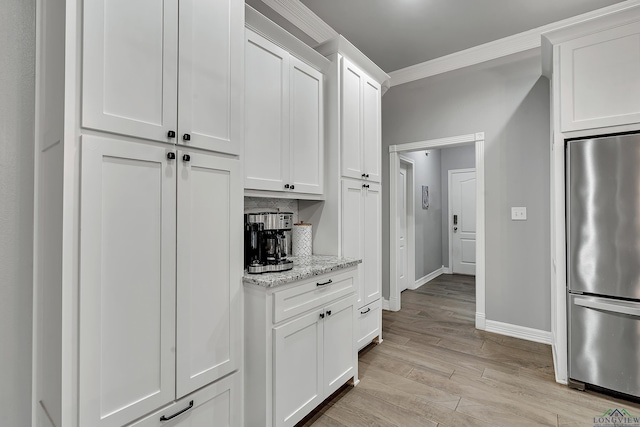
{"x":301,"y":239}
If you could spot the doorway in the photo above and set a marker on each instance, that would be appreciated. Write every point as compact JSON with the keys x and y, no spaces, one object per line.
{"x":395,"y":153}
{"x":405,"y":244}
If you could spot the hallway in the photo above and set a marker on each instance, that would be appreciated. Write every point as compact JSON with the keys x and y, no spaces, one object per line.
{"x":434,"y":368}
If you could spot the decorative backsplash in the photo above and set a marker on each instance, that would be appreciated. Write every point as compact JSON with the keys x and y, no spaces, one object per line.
{"x":258,"y":204}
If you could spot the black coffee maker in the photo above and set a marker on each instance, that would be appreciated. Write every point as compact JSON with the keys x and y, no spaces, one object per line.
{"x":266,"y":241}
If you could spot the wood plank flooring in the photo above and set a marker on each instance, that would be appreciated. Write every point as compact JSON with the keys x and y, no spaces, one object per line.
{"x":435,"y":369}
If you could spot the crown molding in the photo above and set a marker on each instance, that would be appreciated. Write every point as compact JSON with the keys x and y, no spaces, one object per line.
{"x":499,"y":48}
{"x":302,"y":17}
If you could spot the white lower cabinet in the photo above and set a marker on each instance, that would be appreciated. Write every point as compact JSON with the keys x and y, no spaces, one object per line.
{"x":159,"y":291}
{"x":361,"y":239}
{"x":217,"y":405}
{"x":294,"y":364}
{"x":368,"y":323}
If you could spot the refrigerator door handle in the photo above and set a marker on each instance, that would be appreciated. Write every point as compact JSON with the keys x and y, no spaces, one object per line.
{"x":622,"y":307}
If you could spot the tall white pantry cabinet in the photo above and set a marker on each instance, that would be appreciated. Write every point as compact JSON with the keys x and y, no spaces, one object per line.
{"x":138,"y":218}
{"x":349,"y":223}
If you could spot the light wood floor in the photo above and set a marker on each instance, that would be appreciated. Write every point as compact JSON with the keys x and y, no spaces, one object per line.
{"x":435,"y":369}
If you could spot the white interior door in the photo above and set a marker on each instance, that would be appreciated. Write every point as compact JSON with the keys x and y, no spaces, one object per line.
{"x":462,"y":220}
{"x":402,"y":259}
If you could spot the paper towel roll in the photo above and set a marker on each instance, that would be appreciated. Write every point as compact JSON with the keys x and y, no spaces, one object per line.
{"x":301,"y":239}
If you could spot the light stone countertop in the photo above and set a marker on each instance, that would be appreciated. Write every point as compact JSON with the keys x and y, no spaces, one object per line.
{"x":303,"y":267}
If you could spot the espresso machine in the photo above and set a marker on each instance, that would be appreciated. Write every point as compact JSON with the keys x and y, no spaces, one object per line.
{"x":266,"y":241}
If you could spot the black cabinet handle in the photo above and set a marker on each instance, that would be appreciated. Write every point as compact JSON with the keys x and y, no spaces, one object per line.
{"x":171,"y":155}
{"x":171,"y":134}
{"x":164,"y":418}
{"x":328,"y":312}
{"x":186,"y":137}
{"x":325,"y":283}
{"x":292,"y":186}
{"x":365,"y":185}
{"x":363,"y":175}
{"x":186,"y":158}
{"x":286,"y":186}
{"x":366,"y":176}
{"x":322,"y":315}
{"x":366,"y":311}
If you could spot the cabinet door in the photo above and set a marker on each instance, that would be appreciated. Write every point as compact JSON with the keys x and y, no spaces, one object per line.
{"x":306,"y":128}
{"x":600,"y":79}
{"x":127,"y":281}
{"x":340,"y":355}
{"x":298,"y":362}
{"x":129,"y":67}
{"x":351,"y":120}
{"x":371,"y":129}
{"x":209,"y":265}
{"x":266,"y":153}
{"x":352,"y":228}
{"x":211,"y":46}
{"x":217,"y":405}
{"x":372,"y":258}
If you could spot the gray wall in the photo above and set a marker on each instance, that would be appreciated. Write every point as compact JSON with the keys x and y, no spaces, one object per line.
{"x":17,"y":35}
{"x":452,"y":158}
{"x":509,"y":101}
{"x":428,"y":235}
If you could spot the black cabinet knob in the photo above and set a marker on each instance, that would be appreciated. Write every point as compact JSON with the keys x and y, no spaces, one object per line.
{"x":286,"y":186}
{"x":186,"y":158}
{"x":171,"y":155}
{"x":328,"y":312}
{"x":322,"y":315}
{"x":171,"y":134}
{"x":363,"y":175}
{"x":186,"y":137}
{"x":292,"y":186}
{"x":366,"y":176}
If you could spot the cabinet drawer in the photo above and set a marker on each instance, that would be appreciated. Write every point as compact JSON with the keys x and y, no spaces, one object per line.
{"x":216,"y":405}
{"x":368,"y":324}
{"x":312,"y":293}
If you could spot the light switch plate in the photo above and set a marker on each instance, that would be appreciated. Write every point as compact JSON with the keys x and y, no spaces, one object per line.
{"x":518,"y":213}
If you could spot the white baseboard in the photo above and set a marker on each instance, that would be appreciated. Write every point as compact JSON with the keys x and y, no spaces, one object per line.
{"x":446,"y":270}
{"x":481,"y":321}
{"x":516,"y":331}
{"x":385,"y":304}
{"x":426,"y":279}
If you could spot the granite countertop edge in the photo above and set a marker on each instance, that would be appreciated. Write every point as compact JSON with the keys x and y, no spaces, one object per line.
{"x":303,"y":268}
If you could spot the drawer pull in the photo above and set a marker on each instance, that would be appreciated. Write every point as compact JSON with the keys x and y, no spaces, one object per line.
{"x":328,"y":282}
{"x":366,"y":311}
{"x":164,"y":418}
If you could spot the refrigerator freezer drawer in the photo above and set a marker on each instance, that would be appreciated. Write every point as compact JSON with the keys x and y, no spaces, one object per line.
{"x":604,"y":343}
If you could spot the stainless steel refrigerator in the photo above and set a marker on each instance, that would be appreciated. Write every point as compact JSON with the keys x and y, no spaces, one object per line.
{"x":603,"y":262}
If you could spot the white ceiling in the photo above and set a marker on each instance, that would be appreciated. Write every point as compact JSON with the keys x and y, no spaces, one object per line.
{"x":398,"y":33}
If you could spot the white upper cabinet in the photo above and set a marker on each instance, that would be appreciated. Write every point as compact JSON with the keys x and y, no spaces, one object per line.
{"x":208,"y":269}
{"x":130,"y":67}
{"x":600,"y":79}
{"x":306,"y":142}
{"x":210,"y":70}
{"x":360,"y":137}
{"x":284,"y":124}
{"x":133,"y":54}
{"x":266,"y":157}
